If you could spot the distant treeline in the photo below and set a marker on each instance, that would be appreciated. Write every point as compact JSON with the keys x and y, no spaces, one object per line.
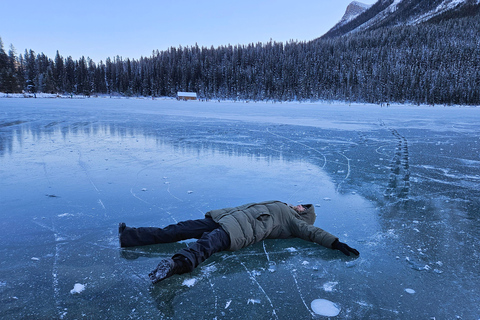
{"x":430,"y":63}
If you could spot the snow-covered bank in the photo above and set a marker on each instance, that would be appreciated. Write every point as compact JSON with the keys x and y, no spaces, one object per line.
{"x":42,"y":95}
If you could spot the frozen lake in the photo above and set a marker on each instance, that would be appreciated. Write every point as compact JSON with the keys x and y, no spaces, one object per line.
{"x":400,"y":184}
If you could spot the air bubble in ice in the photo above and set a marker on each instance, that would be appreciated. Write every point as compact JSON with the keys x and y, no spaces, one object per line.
{"x":325,"y":308}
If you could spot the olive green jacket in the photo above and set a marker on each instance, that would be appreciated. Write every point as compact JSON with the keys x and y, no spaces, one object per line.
{"x":254,"y":222}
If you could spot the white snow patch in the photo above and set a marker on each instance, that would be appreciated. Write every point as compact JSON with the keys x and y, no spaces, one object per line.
{"x":393,"y":6}
{"x":255,"y":273}
{"x":189,"y":191}
{"x":329,"y":286}
{"x":77,"y":288}
{"x":253,"y":301}
{"x":305,"y":262}
{"x":35,"y":259}
{"x":363,"y":5}
{"x":209,"y":268}
{"x":448,"y":4}
{"x":291,"y":249}
{"x":442,"y":7}
{"x":65,"y":215}
{"x":411,"y":291}
{"x":228,"y":304}
{"x":189,"y":282}
{"x":327,"y":199}
{"x":325,"y":308}
{"x":364,"y":304}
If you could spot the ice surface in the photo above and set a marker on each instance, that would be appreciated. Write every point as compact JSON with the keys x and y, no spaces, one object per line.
{"x":400,"y":184}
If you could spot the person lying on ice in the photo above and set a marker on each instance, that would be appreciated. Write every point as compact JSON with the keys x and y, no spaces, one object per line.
{"x":230,"y":229}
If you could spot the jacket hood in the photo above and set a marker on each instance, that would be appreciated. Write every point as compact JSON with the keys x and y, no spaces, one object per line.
{"x":308,"y":215}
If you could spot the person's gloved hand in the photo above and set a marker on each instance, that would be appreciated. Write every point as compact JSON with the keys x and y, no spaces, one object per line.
{"x":337,"y":245}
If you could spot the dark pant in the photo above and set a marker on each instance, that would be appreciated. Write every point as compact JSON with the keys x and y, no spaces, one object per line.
{"x":211,"y":239}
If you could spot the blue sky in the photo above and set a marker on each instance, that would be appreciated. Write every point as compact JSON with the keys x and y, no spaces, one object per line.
{"x":100,"y":29}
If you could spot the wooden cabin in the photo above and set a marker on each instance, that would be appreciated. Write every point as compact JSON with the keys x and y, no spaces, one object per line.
{"x":186,"y":96}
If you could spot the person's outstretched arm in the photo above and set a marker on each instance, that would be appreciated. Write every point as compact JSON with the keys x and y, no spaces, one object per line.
{"x":305,"y":231}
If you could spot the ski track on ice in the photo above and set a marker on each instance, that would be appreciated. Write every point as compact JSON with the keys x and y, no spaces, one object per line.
{"x":302,"y":144}
{"x":83,"y":165}
{"x":348,"y":171}
{"x":84,"y":168}
{"x":56,"y":257}
{"x":152,"y":204}
{"x":297,"y":190}
{"x":252,"y":277}
{"x":173,"y":196}
{"x":168,"y":184}
{"x":167,"y":189}
{"x":383,"y":153}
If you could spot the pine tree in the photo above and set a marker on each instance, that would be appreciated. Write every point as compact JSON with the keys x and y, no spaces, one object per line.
{"x":12,"y":77}
{"x":70,"y":84}
{"x":30,"y":73}
{"x":59,"y":73}
{"x":3,"y":67}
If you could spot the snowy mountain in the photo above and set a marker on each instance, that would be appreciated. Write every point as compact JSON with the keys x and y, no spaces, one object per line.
{"x":354,"y":9}
{"x":385,"y":13}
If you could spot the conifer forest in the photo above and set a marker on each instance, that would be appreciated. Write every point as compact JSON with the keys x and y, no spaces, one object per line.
{"x":433,"y":63}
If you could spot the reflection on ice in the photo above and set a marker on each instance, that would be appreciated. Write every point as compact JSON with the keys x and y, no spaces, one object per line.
{"x":400,"y":184}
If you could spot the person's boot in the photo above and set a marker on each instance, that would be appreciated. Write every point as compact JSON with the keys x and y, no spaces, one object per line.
{"x":165,"y":269}
{"x":121,"y":227}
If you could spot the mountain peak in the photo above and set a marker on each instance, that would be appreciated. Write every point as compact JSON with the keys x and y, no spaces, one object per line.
{"x":354,"y":9}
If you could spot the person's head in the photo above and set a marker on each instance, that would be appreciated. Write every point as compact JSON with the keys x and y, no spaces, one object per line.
{"x":306,"y":212}
{"x":299,"y":208}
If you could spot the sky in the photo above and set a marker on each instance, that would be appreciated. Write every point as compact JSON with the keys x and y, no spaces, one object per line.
{"x":132,"y":29}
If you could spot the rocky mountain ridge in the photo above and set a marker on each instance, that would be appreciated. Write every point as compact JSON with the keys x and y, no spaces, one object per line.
{"x":385,"y":13}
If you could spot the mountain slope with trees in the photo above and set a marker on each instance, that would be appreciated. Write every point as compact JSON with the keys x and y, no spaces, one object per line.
{"x":389,"y":13}
{"x":429,"y":62}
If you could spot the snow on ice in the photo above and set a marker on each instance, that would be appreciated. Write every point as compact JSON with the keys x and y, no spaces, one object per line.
{"x":77,"y":288}
{"x":189,"y":282}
